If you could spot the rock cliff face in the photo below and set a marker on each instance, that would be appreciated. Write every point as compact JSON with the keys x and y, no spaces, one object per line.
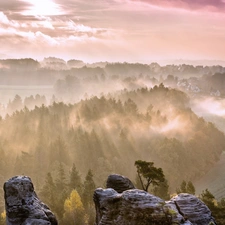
{"x":137,"y":207}
{"x":23,"y":206}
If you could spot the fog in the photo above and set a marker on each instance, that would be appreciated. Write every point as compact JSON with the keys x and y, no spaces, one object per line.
{"x":104,"y":116}
{"x":209,"y":105}
{"x":212,"y":109}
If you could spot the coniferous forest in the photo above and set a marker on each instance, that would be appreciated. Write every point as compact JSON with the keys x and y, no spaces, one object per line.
{"x":70,"y":145}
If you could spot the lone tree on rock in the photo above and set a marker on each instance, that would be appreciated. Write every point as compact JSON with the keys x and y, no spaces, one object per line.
{"x":148,"y":174}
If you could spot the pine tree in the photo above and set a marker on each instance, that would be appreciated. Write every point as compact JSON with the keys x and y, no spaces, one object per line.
{"x":208,"y":198}
{"x":89,"y":188}
{"x":61,"y":190}
{"x":183,"y":187}
{"x":190,"y":188}
{"x":61,"y":178}
{"x":149,"y":174}
{"x":75,"y":179}
{"x":186,"y":188}
{"x":48,"y":192}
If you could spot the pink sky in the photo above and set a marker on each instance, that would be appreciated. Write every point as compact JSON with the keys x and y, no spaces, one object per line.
{"x":113,"y":30}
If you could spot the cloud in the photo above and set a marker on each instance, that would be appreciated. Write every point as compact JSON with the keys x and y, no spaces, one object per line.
{"x":205,"y":5}
{"x":54,"y":26}
{"x":113,"y":29}
{"x":25,"y":25}
{"x":14,"y":6}
{"x":79,"y":5}
{"x":3,"y":18}
{"x":46,"y":35}
{"x":71,"y":28}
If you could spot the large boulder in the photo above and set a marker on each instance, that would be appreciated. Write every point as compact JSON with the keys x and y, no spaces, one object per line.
{"x":137,"y":207}
{"x":22,"y":205}
{"x":119,"y":183}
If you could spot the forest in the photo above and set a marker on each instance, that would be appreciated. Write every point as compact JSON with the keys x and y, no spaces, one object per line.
{"x":99,"y":120}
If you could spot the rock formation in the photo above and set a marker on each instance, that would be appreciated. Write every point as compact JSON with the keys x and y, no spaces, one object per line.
{"x":23,"y":206}
{"x":137,"y":207}
{"x":189,"y":206}
{"x":119,"y":183}
{"x":119,"y":204}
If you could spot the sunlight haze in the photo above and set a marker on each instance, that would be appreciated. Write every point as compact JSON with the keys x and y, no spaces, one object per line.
{"x":117,"y":30}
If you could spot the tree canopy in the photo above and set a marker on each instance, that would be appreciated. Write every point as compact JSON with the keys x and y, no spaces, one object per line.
{"x":149,"y":174}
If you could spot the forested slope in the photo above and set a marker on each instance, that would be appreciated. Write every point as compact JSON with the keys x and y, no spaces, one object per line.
{"x":108,"y":134}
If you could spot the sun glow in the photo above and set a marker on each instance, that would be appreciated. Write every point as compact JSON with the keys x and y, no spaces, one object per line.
{"x":43,"y":8}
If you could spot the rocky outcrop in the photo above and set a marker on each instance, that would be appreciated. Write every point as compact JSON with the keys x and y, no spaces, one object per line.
{"x":23,"y":206}
{"x":137,"y":207}
{"x":119,"y":183}
{"x":192,"y":208}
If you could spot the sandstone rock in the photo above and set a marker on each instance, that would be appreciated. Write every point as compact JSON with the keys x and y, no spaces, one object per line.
{"x":133,"y":207}
{"x":23,"y":206}
{"x":119,"y":183}
{"x":137,"y":207}
{"x":193,"y":208}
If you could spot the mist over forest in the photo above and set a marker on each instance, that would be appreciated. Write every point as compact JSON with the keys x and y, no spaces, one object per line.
{"x":60,"y":118}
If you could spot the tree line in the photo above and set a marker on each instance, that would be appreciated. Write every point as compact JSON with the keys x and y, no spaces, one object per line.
{"x":113,"y":131}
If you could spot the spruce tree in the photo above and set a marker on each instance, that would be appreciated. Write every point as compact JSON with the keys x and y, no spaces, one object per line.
{"x":89,"y":188}
{"x":75,"y":180}
{"x":88,"y":191}
{"x":61,"y":190}
{"x":190,"y":188}
{"x":48,"y":192}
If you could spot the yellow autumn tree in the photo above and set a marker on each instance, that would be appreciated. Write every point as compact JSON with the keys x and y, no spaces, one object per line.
{"x":74,"y":210}
{"x":3,"y":218}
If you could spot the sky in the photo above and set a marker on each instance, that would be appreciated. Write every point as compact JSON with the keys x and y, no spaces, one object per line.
{"x":113,"y":30}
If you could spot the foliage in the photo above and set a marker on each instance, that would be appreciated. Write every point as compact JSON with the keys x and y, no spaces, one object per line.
{"x":75,"y":179}
{"x":148,"y":174}
{"x":89,"y":187}
{"x":216,"y":207}
{"x":3,"y":218}
{"x":73,"y":210}
{"x":48,"y":192}
{"x":61,"y":190}
{"x":115,"y":130}
{"x":186,"y":188}
{"x":208,"y":198}
{"x":107,"y":135}
{"x":162,"y":190}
